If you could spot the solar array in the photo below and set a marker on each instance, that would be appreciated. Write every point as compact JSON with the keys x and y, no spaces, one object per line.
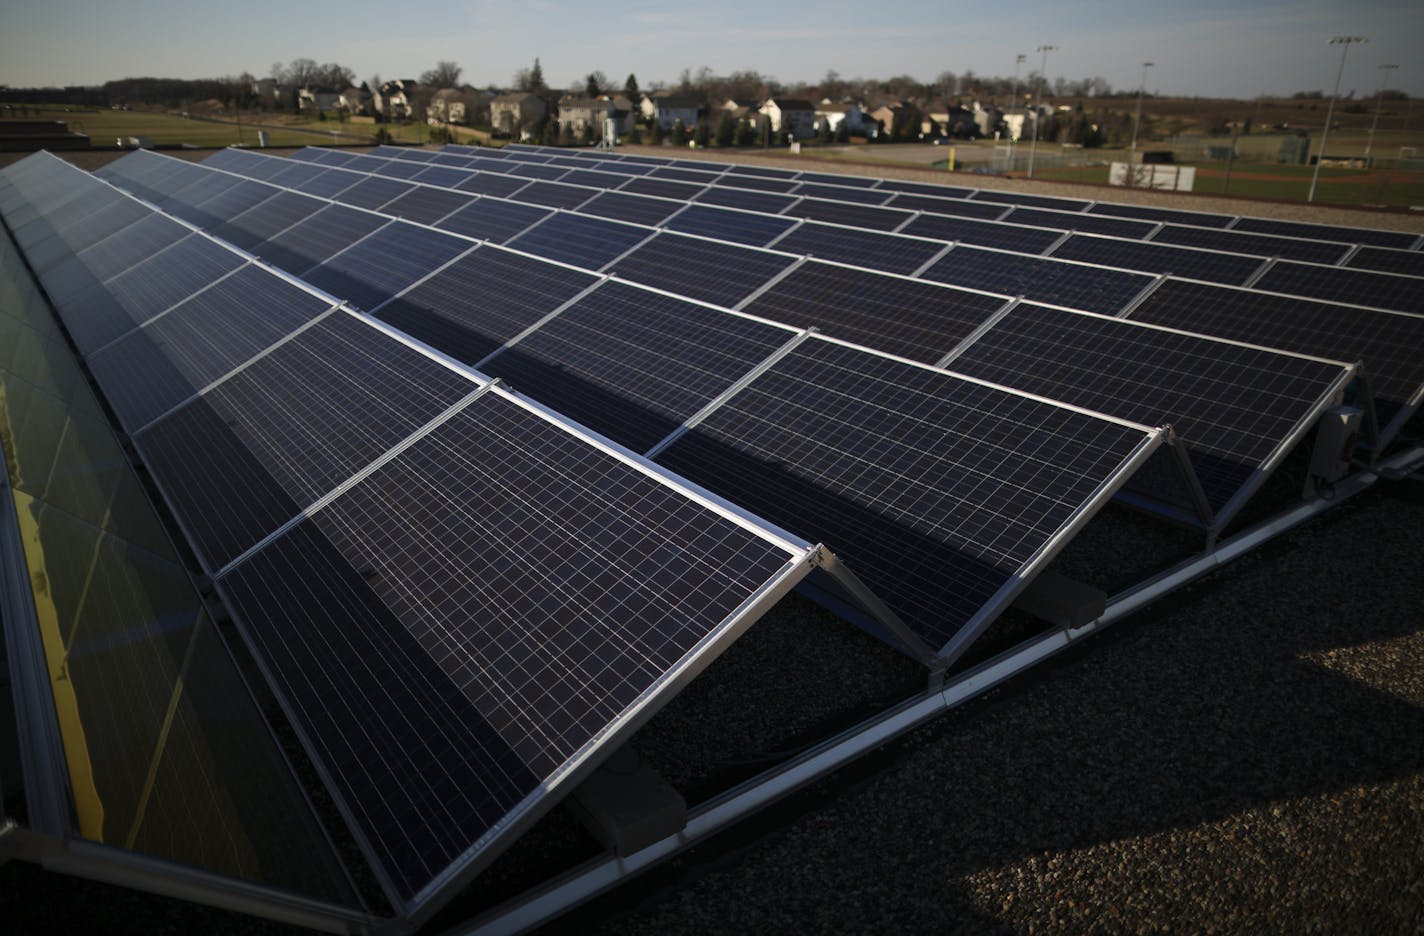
{"x":587,"y":382}
{"x":465,"y":593}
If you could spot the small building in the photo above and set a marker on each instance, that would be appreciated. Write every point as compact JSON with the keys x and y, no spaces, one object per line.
{"x":355,"y":101}
{"x":832,"y":116}
{"x":791,"y":115}
{"x":668,"y":109}
{"x":395,"y":98}
{"x":585,"y":114}
{"x":317,"y":100}
{"x":515,"y":114}
{"x":459,"y":106}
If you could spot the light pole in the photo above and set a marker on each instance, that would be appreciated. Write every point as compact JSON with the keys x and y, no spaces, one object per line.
{"x":1038,"y":104}
{"x":1018,"y":61}
{"x":1379,"y":106}
{"x":1344,"y":42}
{"x":1137,"y":115}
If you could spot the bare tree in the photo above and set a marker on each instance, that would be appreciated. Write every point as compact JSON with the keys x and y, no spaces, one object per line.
{"x":443,"y":75}
{"x":595,"y":83}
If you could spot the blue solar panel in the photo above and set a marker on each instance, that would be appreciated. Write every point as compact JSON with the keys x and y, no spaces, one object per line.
{"x":329,"y":183}
{"x":1328,"y":232}
{"x":493,"y":220}
{"x":637,"y":209}
{"x":1388,"y":260}
{"x":373,"y":192}
{"x":427,"y":205}
{"x":272,"y":216}
{"x":1081,"y":222}
{"x":485,"y":183}
{"x":683,"y":191}
{"x":1341,"y":284}
{"x":889,"y":252}
{"x":1055,"y":281}
{"x":1262,"y":245}
{"x":955,"y":208}
{"x":1191,"y":263}
{"x":862,"y":216}
{"x":697,"y":268}
{"x":841,"y":193}
{"x":984,"y":233}
{"x":589,"y":243}
{"x":377,"y":267}
{"x":633,"y":364}
{"x":1168,"y":215}
{"x":737,"y":226}
{"x":555,"y":195}
{"x":482,"y":300}
{"x":318,"y":238}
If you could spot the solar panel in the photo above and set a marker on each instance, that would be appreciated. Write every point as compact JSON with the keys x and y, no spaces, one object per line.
{"x":1077,"y":286}
{"x":377,"y":267}
{"x":911,"y":318}
{"x":493,"y":220}
{"x":482,"y":300}
{"x":555,"y":195}
{"x":633,"y":364}
{"x":273,"y":215}
{"x":920,"y":188}
{"x":684,"y":175}
{"x":765,"y":172}
{"x":1388,"y":260}
{"x":427,"y":205}
{"x":113,"y":255}
{"x":1387,"y":342}
{"x":289,"y":428}
{"x":1193,"y":263}
{"x":683,"y":191}
{"x":293,"y":174}
{"x":395,"y":168}
{"x":840,"y":193}
{"x":862,"y":216}
{"x":373,"y":192}
{"x":154,"y":368}
{"x":537,"y":171}
{"x":968,"y":485}
{"x":1263,"y":245}
{"x":753,"y":183}
{"x":318,"y":238}
{"x":832,"y":178}
{"x":984,"y":233}
{"x":637,"y":209}
{"x":1081,"y":222}
{"x":583,"y":242}
{"x":600,"y":180}
{"x":768,"y":202}
{"x":248,"y":164}
{"x":722,"y":274}
{"x":444,"y":176}
{"x":495,"y":606}
{"x":136,"y":295}
{"x":955,"y":208}
{"x":1035,"y":201}
{"x":485,"y":183}
{"x":226,"y":205}
{"x":738,"y":226}
{"x":1332,"y":232}
{"x":203,"y":187}
{"x":1342,"y":284}
{"x":890,"y":252}
{"x":1234,"y":406}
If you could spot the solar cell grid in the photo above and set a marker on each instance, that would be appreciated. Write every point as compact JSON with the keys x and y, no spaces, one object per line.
{"x":140,"y":240}
{"x":203,"y":187}
{"x":226,"y":205}
{"x":736,"y":226}
{"x":1388,"y":260}
{"x":662,"y":188}
{"x":377,"y":267}
{"x":832,"y":178}
{"x":967,"y":484}
{"x":1081,"y":222}
{"x":441,"y":175}
{"x":1029,"y":240}
{"x":697,"y":268}
{"x":601,"y":180}
{"x":1233,"y":405}
{"x":538,"y":171}
{"x":270,"y":217}
{"x":1059,"y":282}
{"x":638,"y":209}
{"x":485,"y":183}
{"x":1342,"y":284}
{"x":373,"y":192}
{"x":396,"y":168}
{"x":583,"y":242}
{"x":889,"y":252}
{"x":493,"y":220}
{"x":862,"y":216}
{"x":555,"y":195}
{"x":841,"y":193}
{"x":1327,"y":232}
{"x":633,"y":364}
{"x":316,"y":239}
{"x":482,"y":300}
{"x":768,"y":202}
{"x":781,"y":186}
{"x":763,"y":171}
{"x":957,"y":208}
{"x":1387,"y":342}
{"x":154,"y":368}
{"x":1262,"y":245}
{"x":910,"y":318}
{"x":289,"y":428}
{"x":1035,"y":201}
{"x":1210,"y":265}
{"x":295,"y":173}
{"x":558,"y":589}
{"x":427,"y":205}
{"x":920,"y":188}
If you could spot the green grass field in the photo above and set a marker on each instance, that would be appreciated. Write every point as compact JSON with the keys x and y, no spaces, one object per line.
{"x":1396,"y":188}
{"x":105,"y":126}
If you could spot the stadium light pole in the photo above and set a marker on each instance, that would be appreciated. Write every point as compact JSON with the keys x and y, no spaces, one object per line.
{"x":1344,"y":42}
{"x":1018,"y":62}
{"x":1038,"y":104}
{"x":1379,"y":106}
{"x":1137,"y":115}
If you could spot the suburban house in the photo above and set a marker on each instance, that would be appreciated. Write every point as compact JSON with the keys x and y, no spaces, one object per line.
{"x":317,"y":100}
{"x":517,"y":112}
{"x":355,"y":101}
{"x":396,"y":98}
{"x":580,"y":114}
{"x":268,"y":90}
{"x":457,"y":106}
{"x":833,"y":115}
{"x":791,"y":115}
{"x":667,"y":110}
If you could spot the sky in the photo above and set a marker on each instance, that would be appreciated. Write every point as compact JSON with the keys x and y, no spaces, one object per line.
{"x":1207,"y":48}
